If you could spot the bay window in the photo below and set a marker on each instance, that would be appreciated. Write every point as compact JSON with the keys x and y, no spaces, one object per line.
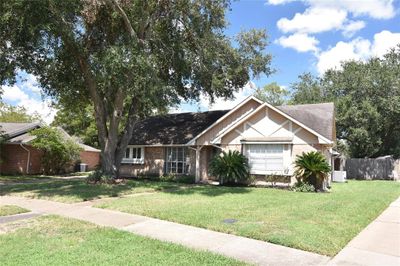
{"x":176,"y":160}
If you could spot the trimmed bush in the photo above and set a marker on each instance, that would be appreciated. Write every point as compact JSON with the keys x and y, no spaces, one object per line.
{"x":230,"y":167}
{"x":312,"y":168}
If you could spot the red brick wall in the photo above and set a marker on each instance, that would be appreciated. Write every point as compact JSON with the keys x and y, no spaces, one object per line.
{"x":92,"y":159}
{"x":14,"y":159}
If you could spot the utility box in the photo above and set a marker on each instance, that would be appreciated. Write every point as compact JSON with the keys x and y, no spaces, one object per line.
{"x":339,"y":176}
{"x":83,"y":167}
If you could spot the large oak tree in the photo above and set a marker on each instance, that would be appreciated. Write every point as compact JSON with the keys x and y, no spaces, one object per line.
{"x":127,"y":57}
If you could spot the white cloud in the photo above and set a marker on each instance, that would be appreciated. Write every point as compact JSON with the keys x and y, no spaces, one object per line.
{"x":352,"y":27}
{"x":383,"y":41}
{"x":279,"y":2}
{"x":300,"y":42}
{"x":17,"y":96}
{"x":328,"y":15}
{"x":314,"y":20}
{"x":13,"y":93}
{"x":357,"y":49}
{"x":378,"y":9}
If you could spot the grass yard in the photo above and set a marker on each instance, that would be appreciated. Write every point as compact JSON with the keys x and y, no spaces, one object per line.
{"x":9,"y":179}
{"x":53,"y":240}
{"x":70,"y":191}
{"x":11,"y":210}
{"x":317,"y":222}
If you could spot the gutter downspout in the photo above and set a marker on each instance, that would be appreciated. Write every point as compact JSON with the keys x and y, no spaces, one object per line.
{"x":29,"y":157}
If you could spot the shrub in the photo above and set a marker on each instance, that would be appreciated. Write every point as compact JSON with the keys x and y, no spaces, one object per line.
{"x":59,"y":152}
{"x":312,"y":168}
{"x":99,"y":177}
{"x":231,"y":167}
{"x":187,"y":179}
{"x":303,"y":187}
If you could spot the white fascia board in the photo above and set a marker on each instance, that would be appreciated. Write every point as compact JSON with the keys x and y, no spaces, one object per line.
{"x":321,"y":139}
{"x":193,"y":141}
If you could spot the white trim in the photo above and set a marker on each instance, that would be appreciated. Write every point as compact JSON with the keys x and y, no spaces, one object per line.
{"x":132,"y":160}
{"x":251,"y":126}
{"x":280,"y":127}
{"x":193,"y":141}
{"x":321,"y":139}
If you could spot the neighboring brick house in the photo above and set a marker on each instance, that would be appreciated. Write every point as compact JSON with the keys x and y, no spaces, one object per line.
{"x":19,"y":157}
{"x":271,"y":137}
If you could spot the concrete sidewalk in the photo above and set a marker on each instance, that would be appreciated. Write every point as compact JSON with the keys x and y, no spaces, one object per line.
{"x":377,"y":244}
{"x":240,"y":248}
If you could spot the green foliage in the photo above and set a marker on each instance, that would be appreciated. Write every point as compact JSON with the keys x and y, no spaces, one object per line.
{"x":230,"y":167}
{"x":99,"y":177}
{"x":303,"y":187}
{"x":312,"y":168}
{"x":367,"y":96}
{"x":78,"y":122}
{"x":59,"y":152}
{"x":367,"y":100}
{"x":15,"y":114}
{"x":272,"y":93}
{"x":127,"y":58}
{"x":186,"y":179}
{"x":307,"y":90}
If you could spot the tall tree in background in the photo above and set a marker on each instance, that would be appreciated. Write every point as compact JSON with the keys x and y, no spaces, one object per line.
{"x":367,"y":97}
{"x":127,"y":57}
{"x":79,"y":122}
{"x":16,"y":114}
{"x":272,"y":93}
{"x":367,"y":100}
{"x":307,"y":90}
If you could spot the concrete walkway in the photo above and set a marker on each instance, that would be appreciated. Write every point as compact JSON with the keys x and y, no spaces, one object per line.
{"x":377,"y":244}
{"x":241,"y":248}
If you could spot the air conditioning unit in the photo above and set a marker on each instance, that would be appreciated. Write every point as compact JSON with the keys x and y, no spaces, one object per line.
{"x":339,"y":176}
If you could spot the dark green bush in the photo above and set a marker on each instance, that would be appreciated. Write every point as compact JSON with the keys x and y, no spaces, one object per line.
{"x":312,"y":168}
{"x":231,"y":167}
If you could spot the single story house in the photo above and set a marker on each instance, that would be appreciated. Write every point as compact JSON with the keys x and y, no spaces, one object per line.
{"x":19,"y":157}
{"x":269,"y":136}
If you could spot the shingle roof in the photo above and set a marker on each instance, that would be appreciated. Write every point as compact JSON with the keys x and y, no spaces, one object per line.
{"x":319,"y":117}
{"x":173,"y":128}
{"x":15,"y":129}
{"x":181,"y":128}
{"x":19,"y":133}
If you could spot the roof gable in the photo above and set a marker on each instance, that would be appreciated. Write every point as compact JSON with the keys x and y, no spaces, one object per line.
{"x":321,"y":124}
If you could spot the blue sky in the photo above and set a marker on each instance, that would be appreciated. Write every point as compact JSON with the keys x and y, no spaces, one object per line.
{"x":304,"y":36}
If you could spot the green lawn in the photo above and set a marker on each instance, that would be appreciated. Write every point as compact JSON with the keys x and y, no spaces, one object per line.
{"x":6,"y":179}
{"x":53,"y":240}
{"x":11,"y":210}
{"x":77,"y":190}
{"x":318,"y":222}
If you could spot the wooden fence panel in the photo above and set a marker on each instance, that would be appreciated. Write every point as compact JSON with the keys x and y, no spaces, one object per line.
{"x":379,"y":168}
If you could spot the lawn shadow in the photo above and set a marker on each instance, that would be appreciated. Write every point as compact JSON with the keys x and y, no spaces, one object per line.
{"x":207,"y":190}
{"x":70,"y":190}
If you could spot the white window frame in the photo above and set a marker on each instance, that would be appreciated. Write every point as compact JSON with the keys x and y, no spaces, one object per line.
{"x":169,"y":162}
{"x":133,"y":158}
{"x":284,"y":170}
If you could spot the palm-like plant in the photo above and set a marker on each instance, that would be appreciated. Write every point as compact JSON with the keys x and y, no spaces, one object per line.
{"x":230,"y":167}
{"x":313,"y":168}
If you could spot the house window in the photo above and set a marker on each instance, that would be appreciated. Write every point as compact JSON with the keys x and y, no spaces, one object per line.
{"x":134,"y":155}
{"x":265,"y":158}
{"x":176,"y":160}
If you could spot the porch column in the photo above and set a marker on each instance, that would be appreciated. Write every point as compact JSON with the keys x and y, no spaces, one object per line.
{"x":198,"y":172}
